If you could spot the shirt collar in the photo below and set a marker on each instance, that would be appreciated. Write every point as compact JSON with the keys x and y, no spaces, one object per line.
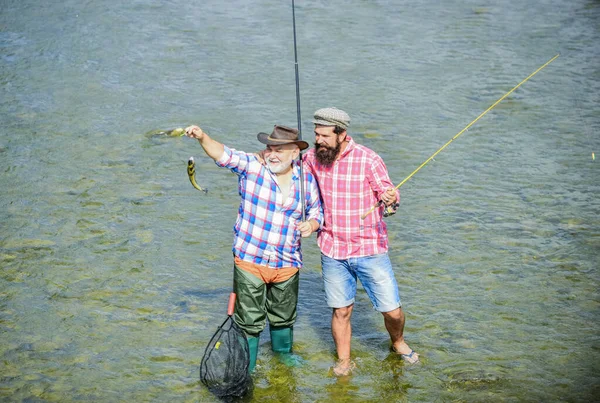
{"x":349,"y":147}
{"x":295,"y":169}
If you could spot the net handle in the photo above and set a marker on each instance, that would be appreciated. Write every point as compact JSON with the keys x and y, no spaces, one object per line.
{"x":231,"y":304}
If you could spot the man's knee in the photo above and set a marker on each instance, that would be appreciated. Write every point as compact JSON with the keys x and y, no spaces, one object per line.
{"x":395,"y":314}
{"x":343,"y":313}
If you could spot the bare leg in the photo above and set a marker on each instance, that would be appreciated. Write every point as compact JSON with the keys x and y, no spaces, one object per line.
{"x":394,"y":323}
{"x":341,"y":329}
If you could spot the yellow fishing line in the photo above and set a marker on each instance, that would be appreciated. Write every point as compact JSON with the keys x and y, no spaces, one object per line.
{"x":465,"y":129}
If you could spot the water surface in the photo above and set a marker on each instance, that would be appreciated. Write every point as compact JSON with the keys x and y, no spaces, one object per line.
{"x":115,"y":271}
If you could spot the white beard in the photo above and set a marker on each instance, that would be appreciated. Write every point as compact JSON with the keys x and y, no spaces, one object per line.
{"x":279,"y":167}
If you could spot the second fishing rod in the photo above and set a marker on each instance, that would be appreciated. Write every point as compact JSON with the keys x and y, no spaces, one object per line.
{"x":461,"y":132}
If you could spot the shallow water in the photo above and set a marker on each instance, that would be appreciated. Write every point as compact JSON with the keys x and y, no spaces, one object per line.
{"x":115,"y":271}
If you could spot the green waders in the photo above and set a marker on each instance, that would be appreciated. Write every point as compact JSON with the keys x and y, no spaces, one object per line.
{"x":282,"y":339}
{"x":256,"y":302}
{"x":253,"y":348}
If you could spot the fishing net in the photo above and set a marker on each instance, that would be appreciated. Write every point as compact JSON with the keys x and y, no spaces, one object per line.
{"x":224,"y":366}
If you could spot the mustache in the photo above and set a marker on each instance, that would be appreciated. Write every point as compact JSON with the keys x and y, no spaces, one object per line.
{"x":323,"y":146}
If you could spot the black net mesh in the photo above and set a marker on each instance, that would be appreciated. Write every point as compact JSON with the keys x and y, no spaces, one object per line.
{"x":224,"y":367}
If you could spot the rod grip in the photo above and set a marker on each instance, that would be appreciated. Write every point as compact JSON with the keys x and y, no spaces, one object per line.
{"x":231,"y":304}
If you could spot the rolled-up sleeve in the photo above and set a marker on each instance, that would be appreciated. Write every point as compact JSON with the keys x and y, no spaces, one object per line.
{"x":380,"y":179}
{"x":236,"y":161}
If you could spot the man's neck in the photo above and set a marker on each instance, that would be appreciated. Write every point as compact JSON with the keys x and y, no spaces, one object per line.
{"x":284,"y":182}
{"x":286,"y":175}
{"x":343,"y":147}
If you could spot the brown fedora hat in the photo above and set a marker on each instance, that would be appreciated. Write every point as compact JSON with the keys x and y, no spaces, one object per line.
{"x":282,"y":135}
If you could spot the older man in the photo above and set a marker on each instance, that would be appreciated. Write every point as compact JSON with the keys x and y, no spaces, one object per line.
{"x":266,"y":247}
{"x":352,"y":179}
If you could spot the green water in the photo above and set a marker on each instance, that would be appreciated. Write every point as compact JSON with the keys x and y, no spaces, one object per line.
{"x":115,"y":272}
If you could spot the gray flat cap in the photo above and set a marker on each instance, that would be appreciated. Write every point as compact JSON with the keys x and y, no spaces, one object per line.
{"x":332,"y":117}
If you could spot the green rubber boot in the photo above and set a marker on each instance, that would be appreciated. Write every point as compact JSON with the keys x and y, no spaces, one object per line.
{"x":282,"y":339}
{"x":253,"y":348}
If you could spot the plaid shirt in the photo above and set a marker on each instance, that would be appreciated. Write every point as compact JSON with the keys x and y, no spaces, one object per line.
{"x":265,"y":230}
{"x":349,"y":188}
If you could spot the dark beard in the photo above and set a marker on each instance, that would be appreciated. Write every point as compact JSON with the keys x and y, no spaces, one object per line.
{"x":326,"y":155}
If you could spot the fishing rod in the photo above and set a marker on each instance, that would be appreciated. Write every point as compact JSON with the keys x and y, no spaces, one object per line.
{"x":299,"y":115}
{"x":462,"y":131}
{"x":191,"y":168}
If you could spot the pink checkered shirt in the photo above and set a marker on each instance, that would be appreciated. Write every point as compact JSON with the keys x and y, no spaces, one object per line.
{"x":265,"y":231}
{"x":349,"y":188}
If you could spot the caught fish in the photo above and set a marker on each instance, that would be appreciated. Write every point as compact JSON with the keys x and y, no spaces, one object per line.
{"x":191,"y":170}
{"x":178,"y":132}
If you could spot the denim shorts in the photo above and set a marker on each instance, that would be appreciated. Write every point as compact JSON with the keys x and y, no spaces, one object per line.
{"x":375,"y":274}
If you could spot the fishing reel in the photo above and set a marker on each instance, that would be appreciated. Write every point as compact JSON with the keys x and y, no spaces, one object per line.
{"x":391,"y":209}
